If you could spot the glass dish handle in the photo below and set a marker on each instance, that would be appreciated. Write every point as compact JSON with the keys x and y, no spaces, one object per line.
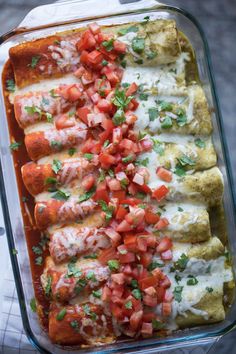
{"x":64,"y":11}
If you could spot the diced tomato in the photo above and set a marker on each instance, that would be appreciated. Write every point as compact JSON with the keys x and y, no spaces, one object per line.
{"x":80,"y":71}
{"x":127,"y":269}
{"x":87,"y":41}
{"x":164,"y":245}
{"x":118,"y":278}
{"x":120,"y":195}
{"x":116,"y":311}
{"x":113,"y":78}
{"x":136,"y":216}
{"x":142,"y":244}
{"x":63,"y":121}
{"x":124,"y":226}
{"x":146,"y":329}
{"x":96,"y":148}
{"x":149,"y":316}
{"x":145,"y":259}
{"x":160,"y":193}
{"x":106,"y":160}
{"x":101,"y":195}
{"x":106,"y":293}
{"x":160,"y":294}
{"x":132,"y":188}
{"x":95,"y":57}
{"x":151,"y":291}
{"x":147,"y":282}
{"x":116,"y":135}
{"x":167,"y":255}
{"x":129,"y":257}
{"x":84,"y":57}
{"x":117,"y":290}
{"x":166,"y":283}
{"x":151,"y":241}
{"x":146,"y":144}
{"x":119,"y":47}
{"x":121,"y":212}
{"x":168,"y":296}
{"x":82,"y":113}
{"x":113,"y":235}
{"x":104,"y":106}
{"x":150,"y":300}
{"x":74,"y":93}
{"x":107,"y":254}
{"x":95,"y":98}
{"x":132,"y":89}
{"x":130,"y":241}
{"x":161,"y":224}
{"x":136,"y":320}
{"x":138,"y":179}
{"x":164,"y":174}
{"x":114,"y":184}
{"x":88,"y":145}
{"x":94,"y":28}
{"x":131,"y":201}
{"x":166,"y":309}
{"x":151,"y":217}
{"x":94,"y":119}
{"x":87,"y":77}
{"x":88,"y":182}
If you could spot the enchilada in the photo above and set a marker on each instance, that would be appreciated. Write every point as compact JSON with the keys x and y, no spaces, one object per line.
{"x":124,"y":180}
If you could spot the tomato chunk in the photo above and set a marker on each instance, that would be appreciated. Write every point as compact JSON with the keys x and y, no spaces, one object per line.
{"x":160,"y":193}
{"x":164,"y":174}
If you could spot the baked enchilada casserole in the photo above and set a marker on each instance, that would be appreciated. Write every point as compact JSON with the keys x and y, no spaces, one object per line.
{"x":117,"y":174}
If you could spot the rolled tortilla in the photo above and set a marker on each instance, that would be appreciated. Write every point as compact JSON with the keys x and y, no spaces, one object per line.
{"x":41,"y":144}
{"x":58,"y":54}
{"x":80,"y":325}
{"x":81,"y":240}
{"x":187,"y":222}
{"x":56,"y":211}
{"x":188,"y":113}
{"x":203,"y":158}
{"x":69,"y":280}
{"x":39,"y":177}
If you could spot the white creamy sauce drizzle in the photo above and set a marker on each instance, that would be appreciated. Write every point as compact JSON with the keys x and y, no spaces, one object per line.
{"x":209,"y":274}
{"x":162,"y":77}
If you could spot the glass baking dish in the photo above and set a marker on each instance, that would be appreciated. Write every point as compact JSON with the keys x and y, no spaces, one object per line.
{"x":72,"y":14}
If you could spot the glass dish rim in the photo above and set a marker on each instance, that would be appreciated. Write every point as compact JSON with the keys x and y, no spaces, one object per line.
{"x":9,"y":234}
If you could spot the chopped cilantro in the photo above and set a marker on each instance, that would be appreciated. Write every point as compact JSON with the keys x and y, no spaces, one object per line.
{"x":129,"y":305}
{"x":120,"y":99}
{"x":200,"y":143}
{"x":153,"y":113}
{"x":91,"y":276}
{"x":60,"y":195}
{"x":137,"y":294}
{"x":158,"y":147}
{"x":15,"y":146}
{"x":104,"y":62}
{"x":185,"y":160}
{"x":72,"y":151}
{"x":102,"y":176}
{"x":80,"y":285}
{"x":108,"y":45}
{"x":50,"y":180}
{"x":157,"y":324}
{"x":143,"y":96}
{"x":106,"y":143}
{"x":108,"y":210}
{"x":119,"y":117}
{"x":113,"y":264}
{"x":178,"y":293}
{"x":111,"y":173}
{"x":192,"y":280}
{"x":124,"y":183}
{"x":74,"y":324}
{"x":10,"y":85}
{"x":179,"y":171}
{"x":177,"y":278}
{"x":141,"y":135}
{"x":48,"y":286}
{"x":56,"y":166}
{"x":57,"y":145}
{"x":91,"y":256}
{"x":72,"y":271}
{"x":134,"y":283}
{"x":128,"y":158}
{"x":37,"y":250}
{"x":138,"y":45}
{"x":88,"y":156}
{"x":143,"y":162}
{"x":61,"y":314}
{"x":49,"y":117}
{"x":25,"y":199}
{"x":164,"y":105}
{"x":151,"y":55}
{"x":87,"y":195}
{"x":182,"y":262}
{"x":138,"y":61}
{"x":39,"y":260}
{"x":180,"y":209}
{"x":34,"y":61}
{"x":33,"y":305}
{"x":123,"y":63}
{"x":97,"y":293}
{"x":166,"y":123}
{"x":209,"y":289}
{"x":182,"y":118}
{"x":124,"y":31}
{"x":153,"y":265}
{"x":33,"y":109}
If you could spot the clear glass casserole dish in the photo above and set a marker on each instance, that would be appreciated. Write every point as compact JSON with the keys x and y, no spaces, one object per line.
{"x":67,"y":15}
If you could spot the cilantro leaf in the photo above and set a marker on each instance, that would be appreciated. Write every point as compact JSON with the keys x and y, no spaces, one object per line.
{"x":166,"y":123}
{"x":15,"y":146}
{"x":108,"y":210}
{"x":182,"y":262}
{"x":158,"y":147}
{"x":178,"y":293}
{"x":124,"y":31}
{"x":61,"y":314}
{"x":129,"y":305}
{"x":72,"y":151}
{"x":56,"y":166}
{"x":113,"y":264}
{"x":153,"y":113}
{"x":33,"y":305}
{"x":200,"y":143}
{"x":108,"y":45}
{"x":192,"y":280}
{"x":10,"y":85}
{"x":138,"y":45}
{"x":34,"y":61}
{"x":185,"y":160}
{"x":60,"y":195}
{"x":86,"y":195}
